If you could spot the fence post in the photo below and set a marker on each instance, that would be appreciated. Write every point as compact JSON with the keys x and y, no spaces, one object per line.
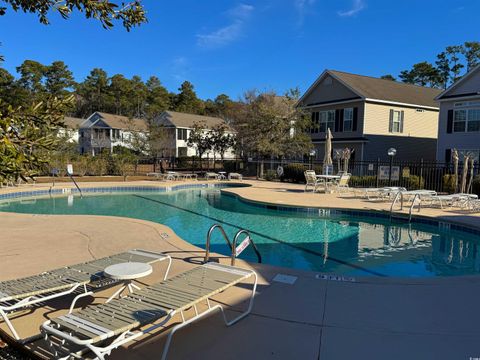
{"x":421,"y":174}
{"x":376,"y":174}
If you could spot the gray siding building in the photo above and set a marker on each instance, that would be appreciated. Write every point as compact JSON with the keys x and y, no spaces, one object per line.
{"x":370,"y":115}
{"x":459,"y":122}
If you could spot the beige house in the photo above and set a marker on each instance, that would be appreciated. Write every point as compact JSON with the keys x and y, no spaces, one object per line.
{"x":371,"y":115}
{"x":181,"y":124}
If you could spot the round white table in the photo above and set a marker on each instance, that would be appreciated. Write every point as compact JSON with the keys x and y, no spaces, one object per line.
{"x":222,"y":175}
{"x":127,"y":272}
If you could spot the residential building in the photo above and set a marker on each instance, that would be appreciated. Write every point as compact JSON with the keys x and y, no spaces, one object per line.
{"x":72,"y":128}
{"x":102,"y":131}
{"x":371,"y":115}
{"x":181,"y":125}
{"x":459,"y":124}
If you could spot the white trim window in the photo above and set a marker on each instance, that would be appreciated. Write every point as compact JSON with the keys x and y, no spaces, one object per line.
{"x":396,"y":121}
{"x":466,"y":116}
{"x":348,"y":119}
{"x":182,"y":134}
{"x":327,"y":120}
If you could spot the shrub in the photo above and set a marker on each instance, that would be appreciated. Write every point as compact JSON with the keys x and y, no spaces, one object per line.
{"x":448,"y":183}
{"x":270,"y":175}
{"x":476,"y":185}
{"x":294,"y":172}
{"x":413,"y":182}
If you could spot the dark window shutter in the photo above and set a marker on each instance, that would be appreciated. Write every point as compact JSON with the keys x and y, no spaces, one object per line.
{"x":355,"y":119}
{"x":390,"y":125}
{"x":448,"y":155}
{"x":402,"y":119}
{"x":312,"y":128}
{"x":450,"y":122}
{"x":337,"y":120}
{"x":341,"y":120}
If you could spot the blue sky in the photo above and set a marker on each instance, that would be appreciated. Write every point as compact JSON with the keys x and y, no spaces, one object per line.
{"x":230,"y":46}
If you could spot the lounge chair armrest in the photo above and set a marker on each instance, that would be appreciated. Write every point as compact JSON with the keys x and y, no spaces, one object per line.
{"x":74,"y":301}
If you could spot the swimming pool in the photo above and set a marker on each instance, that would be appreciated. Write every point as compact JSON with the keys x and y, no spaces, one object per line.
{"x":352,"y":244}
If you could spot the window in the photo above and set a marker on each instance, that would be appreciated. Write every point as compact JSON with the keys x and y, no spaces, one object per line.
{"x":396,"y":125}
{"x":116,"y":134}
{"x":182,"y":134}
{"x":322,"y":120}
{"x":327,"y":120}
{"x":473,"y":120}
{"x":459,"y":120}
{"x":348,"y":119}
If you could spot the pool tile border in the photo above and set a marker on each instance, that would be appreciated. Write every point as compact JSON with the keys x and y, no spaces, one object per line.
{"x":315,"y":211}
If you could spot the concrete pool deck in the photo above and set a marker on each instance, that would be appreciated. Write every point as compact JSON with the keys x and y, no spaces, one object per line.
{"x":312,"y":319}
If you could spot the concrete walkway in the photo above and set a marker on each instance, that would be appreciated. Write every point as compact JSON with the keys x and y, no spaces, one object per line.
{"x":312,"y":318}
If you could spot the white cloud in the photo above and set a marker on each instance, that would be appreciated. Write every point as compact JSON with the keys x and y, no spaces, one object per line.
{"x":303,"y":7}
{"x":358,"y":5}
{"x":179,"y":68}
{"x":229,"y":33}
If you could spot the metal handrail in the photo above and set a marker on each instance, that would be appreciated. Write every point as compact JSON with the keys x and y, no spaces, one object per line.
{"x":397,"y":196}
{"x":417,"y":196}
{"x":209,"y":235}
{"x":78,"y":187}
{"x":234,"y":246}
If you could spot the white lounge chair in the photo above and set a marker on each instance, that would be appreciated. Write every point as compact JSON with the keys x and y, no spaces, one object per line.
{"x":237,"y":176}
{"x":20,"y":293}
{"x":103,"y":328}
{"x":211,"y":175}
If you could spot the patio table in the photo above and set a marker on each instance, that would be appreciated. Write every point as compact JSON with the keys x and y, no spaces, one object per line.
{"x":127,"y":272}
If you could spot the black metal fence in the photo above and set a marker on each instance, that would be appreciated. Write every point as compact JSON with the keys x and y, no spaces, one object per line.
{"x":420,"y":174}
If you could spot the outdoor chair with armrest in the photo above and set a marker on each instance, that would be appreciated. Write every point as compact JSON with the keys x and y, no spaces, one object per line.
{"x":84,"y":278}
{"x":312,"y":180}
{"x":103,"y":328}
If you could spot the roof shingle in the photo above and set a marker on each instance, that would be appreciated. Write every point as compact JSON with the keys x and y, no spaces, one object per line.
{"x":184,"y":120}
{"x":387,"y":90}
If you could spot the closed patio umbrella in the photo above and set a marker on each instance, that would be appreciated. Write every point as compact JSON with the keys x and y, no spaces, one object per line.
{"x":327,"y":159}
{"x":464,"y":174}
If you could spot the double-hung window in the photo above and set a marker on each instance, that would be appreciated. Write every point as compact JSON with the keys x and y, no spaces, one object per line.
{"x":466,"y":116}
{"x":182,"y":134}
{"x":327,"y":120}
{"x":348,"y":119}
{"x":396,"y":121}
{"x":459,"y":120}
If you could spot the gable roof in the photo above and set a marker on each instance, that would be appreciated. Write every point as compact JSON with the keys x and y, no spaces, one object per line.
{"x":370,"y":88}
{"x":72,"y":122}
{"x":121,"y":122}
{"x":468,"y":75}
{"x":184,"y":120}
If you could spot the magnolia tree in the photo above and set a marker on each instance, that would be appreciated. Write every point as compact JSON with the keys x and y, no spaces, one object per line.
{"x":26,"y":137}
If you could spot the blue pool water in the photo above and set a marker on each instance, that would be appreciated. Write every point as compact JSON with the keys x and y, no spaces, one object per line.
{"x":348,"y":245}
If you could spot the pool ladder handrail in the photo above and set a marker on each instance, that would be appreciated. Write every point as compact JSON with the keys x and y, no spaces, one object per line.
{"x":232,"y":246}
{"x":399,"y":195}
{"x":417,"y":196}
